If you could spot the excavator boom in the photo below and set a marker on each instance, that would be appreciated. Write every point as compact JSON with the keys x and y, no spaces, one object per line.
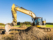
{"x":30,"y":13}
{"x":14,"y":9}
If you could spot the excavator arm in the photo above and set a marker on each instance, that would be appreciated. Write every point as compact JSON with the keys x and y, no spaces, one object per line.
{"x":14,"y":9}
{"x":30,"y":13}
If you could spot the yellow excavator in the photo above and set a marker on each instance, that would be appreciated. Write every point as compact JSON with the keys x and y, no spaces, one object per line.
{"x":37,"y":21}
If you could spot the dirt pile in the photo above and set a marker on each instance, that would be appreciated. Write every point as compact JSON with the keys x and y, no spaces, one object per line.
{"x":31,"y":33}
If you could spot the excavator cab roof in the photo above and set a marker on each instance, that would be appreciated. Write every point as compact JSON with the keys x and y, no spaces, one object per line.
{"x":37,"y":17}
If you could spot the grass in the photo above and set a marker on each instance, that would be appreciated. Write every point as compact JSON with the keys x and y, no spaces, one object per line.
{"x":17,"y":26}
{"x":2,"y":25}
{"x":28,"y":25}
{"x":47,"y":25}
{"x":21,"y":25}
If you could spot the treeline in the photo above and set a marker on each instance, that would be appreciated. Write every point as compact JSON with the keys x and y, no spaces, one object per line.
{"x":19,"y":23}
{"x":29,"y":23}
{"x":25,"y":23}
{"x":49,"y":23}
{"x":2,"y":24}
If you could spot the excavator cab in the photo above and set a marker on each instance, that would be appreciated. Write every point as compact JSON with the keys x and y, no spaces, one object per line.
{"x":38,"y":21}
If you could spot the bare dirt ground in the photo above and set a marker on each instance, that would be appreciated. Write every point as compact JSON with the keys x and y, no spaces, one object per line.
{"x":51,"y":32}
{"x":22,"y":34}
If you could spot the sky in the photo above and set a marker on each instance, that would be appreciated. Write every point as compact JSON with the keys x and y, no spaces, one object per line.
{"x":41,"y":8}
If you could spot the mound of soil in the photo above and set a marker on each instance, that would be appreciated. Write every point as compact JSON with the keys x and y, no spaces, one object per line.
{"x":32,"y":33}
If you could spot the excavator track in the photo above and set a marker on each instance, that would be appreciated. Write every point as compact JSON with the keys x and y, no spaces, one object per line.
{"x":45,"y":29}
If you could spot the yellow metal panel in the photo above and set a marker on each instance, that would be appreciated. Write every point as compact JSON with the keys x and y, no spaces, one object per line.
{"x":44,"y":21}
{"x":14,"y":14}
{"x":41,"y":26}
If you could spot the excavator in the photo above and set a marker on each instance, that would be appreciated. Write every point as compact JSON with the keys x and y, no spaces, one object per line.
{"x":37,"y":21}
